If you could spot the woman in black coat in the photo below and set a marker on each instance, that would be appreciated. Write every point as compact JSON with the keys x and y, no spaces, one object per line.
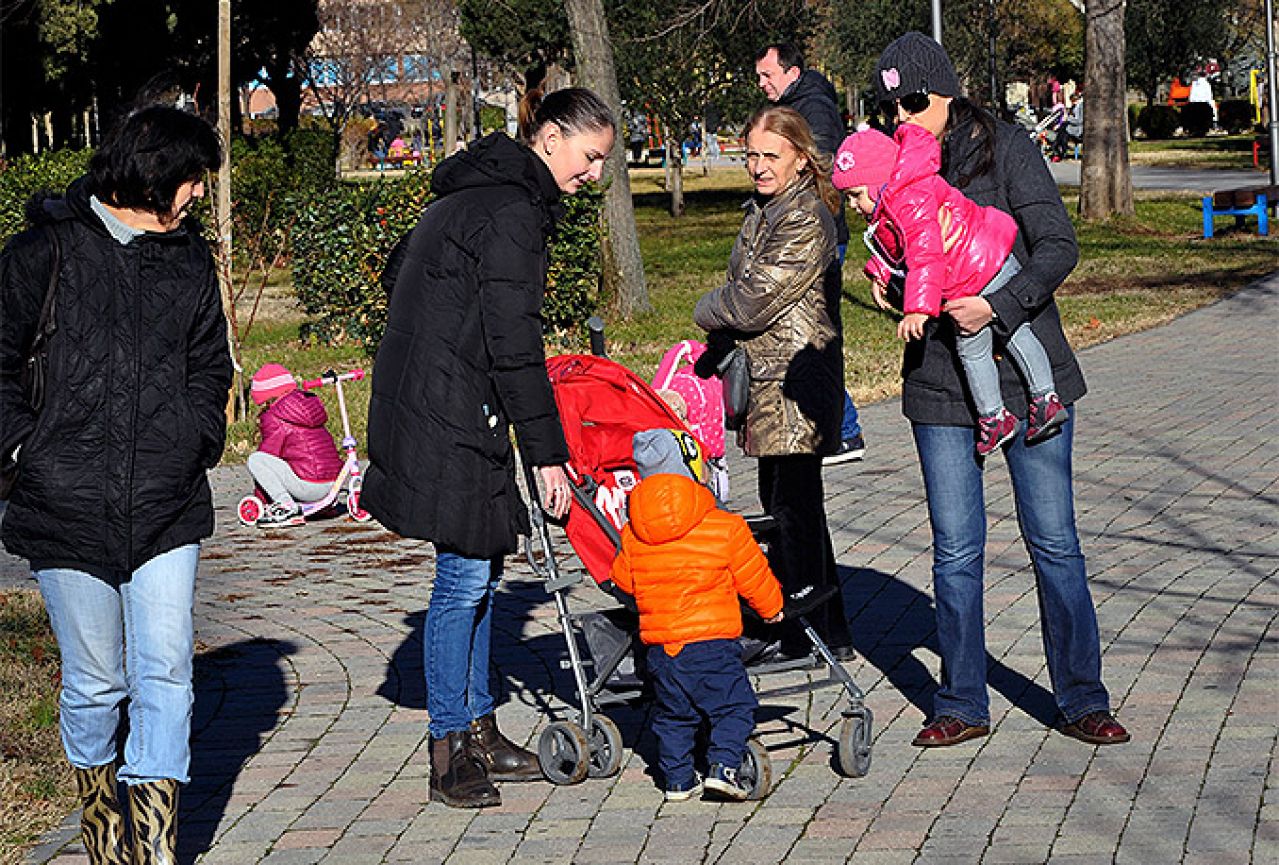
{"x":997,"y":165}
{"x":112,"y":500}
{"x":460,"y":364}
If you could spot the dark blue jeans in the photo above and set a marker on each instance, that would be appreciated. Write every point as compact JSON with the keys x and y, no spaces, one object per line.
{"x":704,"y":679}
{"x":456,"y":645}
{"x":1041,"y":476}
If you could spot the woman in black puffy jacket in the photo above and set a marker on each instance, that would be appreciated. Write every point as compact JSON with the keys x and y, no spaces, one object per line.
{"x":460,"y":364}
{"x":112,"y":500}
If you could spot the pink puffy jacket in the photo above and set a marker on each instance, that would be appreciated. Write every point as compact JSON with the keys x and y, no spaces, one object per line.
{"x":293,"y":430}
{"x":952,"y":246}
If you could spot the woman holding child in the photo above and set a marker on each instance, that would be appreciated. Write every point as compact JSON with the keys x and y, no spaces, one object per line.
{"x":461,"y":363}
{"x":995,"y":164}
{"x":781,"y":310}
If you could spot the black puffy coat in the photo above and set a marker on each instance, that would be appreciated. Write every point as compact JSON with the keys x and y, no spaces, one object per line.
{"x":462,"y":358}
{"x":112,"y":471}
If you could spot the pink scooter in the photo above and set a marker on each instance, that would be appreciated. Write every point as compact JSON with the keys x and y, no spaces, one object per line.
{"x":348,"y":481}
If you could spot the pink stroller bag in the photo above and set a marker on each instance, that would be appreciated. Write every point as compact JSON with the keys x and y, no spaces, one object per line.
{"x":704,"y":397}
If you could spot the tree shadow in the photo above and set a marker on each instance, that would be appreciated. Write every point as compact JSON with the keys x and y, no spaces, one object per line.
{"x":239,"y":692}
{"x":890,"y":619}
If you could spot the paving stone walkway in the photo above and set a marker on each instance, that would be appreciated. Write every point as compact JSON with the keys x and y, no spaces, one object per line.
{"x":310,"y":726}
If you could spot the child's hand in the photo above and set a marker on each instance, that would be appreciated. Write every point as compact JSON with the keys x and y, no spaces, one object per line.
{"x":775,"y":619}
{"x":912,"y":326}
{"x":879,"y":292}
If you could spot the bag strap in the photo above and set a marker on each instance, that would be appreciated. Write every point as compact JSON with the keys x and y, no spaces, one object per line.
{"x":48,"y":324}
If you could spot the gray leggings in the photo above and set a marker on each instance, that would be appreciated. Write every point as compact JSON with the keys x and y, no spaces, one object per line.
{"x":280,"y":483}
{"x":976,"y":353}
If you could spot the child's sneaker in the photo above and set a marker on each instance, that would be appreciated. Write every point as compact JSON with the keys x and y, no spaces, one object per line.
{"x":995,"y":429}
{"x":281,"y":515}
{"x":1045,"y":416}
{"x":684,"y":792}
{"x":725,"y":781}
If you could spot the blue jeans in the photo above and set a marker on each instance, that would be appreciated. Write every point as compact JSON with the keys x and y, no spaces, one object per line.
{"x":976,"y":353}
{"x":133,"y":642}
{"x":458,"y":628}
{"x":705,"y":678}
{"x":1041,"y":476}
{"x":851,"y":428}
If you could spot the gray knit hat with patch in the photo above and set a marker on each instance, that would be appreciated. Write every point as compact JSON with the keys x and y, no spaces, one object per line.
{"x":915,"y":63}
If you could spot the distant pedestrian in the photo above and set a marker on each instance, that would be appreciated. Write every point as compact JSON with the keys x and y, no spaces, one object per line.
{"x":461,"y":363}
{"x":112,"y":499}
{"x":996,"y":164}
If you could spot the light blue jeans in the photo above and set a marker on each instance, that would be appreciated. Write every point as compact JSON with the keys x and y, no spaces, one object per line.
{"x":1042,"y":489}
{"x":456,"y":646}
{"x":133,"y":642}
{"x":976,"y":353}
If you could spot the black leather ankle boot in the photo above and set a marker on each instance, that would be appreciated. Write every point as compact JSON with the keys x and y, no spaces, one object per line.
{"x":504,"y":760}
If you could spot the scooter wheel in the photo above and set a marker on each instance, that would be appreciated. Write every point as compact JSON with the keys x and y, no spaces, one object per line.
{"x":250,"y":510}
{"x":353,"y":508}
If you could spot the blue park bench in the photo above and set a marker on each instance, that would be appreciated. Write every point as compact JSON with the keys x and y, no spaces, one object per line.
{"x":1241,"y":203}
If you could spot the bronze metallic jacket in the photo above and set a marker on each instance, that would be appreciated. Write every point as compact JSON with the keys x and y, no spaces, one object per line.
{"x":783,"y":309}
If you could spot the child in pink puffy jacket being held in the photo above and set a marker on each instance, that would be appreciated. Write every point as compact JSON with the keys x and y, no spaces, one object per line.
{"x":298,"y":459}
{"x":951,"y":247}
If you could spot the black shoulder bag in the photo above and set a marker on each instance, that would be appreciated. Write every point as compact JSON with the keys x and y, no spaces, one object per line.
{"x":34,"y":375}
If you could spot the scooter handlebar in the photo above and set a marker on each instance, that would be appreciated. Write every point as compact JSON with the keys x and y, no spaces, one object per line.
{"x":332,"y":377}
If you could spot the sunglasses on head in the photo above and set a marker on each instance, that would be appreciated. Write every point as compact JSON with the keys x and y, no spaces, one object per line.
{"x":912,"y":103}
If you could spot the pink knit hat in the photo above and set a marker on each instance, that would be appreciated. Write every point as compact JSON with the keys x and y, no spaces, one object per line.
{"x":864,"y":159}
{"x":270,"y":381}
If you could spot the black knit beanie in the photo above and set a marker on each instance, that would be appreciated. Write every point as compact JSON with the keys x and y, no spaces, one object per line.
{"x":915,"y":63}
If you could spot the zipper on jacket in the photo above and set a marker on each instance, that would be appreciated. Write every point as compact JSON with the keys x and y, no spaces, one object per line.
{"x":135,"y":312}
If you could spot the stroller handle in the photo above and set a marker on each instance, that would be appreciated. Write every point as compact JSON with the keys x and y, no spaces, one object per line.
{"x":331,"y":377}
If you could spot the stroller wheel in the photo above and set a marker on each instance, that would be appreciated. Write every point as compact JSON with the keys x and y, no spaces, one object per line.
{"x":757,"y":770}
{"x":606,"y":747}
{"x":854,"y":744}
{"x":250,"y":510}
{"x":564,"y":752}
{"x":353,"y":507}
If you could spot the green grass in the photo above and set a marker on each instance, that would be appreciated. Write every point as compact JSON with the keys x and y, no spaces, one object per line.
{"x":1214,"y":151}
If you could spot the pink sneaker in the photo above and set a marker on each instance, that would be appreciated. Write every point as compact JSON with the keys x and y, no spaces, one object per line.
{"x":995,"y":429}
{"x":1046,"y":415}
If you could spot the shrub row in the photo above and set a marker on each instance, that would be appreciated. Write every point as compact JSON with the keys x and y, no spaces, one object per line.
{"x":1193,"y":118}
{"x":27,"y":175}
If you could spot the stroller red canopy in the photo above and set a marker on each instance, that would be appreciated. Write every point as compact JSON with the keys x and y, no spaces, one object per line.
{"x":602,"y":405}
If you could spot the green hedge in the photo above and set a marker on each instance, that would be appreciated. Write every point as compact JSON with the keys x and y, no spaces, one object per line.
{"x":27,"y":175}
{"x":1235,"y":115}
{"x":1196,"y":119}
{"x":344,"y":234}
{"x":1158,"y":121}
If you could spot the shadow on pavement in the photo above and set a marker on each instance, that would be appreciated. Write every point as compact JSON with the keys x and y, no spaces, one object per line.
{"x":891,"y":619}
{"x":239,"y":692}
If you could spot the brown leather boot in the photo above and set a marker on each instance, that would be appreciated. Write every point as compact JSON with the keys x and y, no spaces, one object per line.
{"x":504,"y":760}
{"x":102,"y":820}
{"x":153,"y":805}
{"x":458,"y":778}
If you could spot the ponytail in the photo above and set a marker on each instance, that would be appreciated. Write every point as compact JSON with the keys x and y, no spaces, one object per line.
{"x":574,"y":109}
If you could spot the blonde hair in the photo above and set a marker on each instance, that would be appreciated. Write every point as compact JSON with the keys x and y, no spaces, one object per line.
{"x":791,"y":125}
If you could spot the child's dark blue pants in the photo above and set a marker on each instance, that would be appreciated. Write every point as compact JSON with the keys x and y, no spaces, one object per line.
{"x":705,"y":678}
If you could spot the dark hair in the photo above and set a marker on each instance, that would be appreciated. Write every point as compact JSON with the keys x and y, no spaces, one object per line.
{"x":788,"y":55}
{"x":149,"y":154}
{"x":574,"y":110}
{"x":962,"y":111}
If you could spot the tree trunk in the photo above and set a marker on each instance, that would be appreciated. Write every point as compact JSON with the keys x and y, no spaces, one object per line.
{"x":1105,"y":187}
{"x":450,"y":113}
{"x":623,"y":269}
{"x":675,"y":171}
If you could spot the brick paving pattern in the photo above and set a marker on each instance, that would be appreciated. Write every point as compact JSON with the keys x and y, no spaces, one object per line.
{"x":310,"y":727}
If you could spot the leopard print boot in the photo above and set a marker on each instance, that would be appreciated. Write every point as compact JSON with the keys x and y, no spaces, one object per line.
{"x":102,"y":820}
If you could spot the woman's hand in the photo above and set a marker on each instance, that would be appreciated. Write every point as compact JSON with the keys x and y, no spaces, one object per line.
{"x":879,"y":293}
{"x":971,"y":314}
{"x":912,"y":326}
{"x":557,"y":495}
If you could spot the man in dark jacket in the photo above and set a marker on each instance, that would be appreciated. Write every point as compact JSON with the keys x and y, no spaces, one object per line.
{"x":112,"y":499}
{"x":779,"y":68}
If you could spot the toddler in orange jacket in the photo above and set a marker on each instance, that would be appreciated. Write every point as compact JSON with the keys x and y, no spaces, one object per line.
{"x":686,"y":562}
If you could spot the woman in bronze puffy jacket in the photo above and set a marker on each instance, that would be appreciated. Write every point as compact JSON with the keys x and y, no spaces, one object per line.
{"x":776,"y":302}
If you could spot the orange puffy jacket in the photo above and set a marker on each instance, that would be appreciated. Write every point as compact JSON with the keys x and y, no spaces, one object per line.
{"x":685,"y":562}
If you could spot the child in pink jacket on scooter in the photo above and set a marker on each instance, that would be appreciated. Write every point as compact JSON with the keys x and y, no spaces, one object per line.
{"x":297,"y":459}
{"x":951,"y":247}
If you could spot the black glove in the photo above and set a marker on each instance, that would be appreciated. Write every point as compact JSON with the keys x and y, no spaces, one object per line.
{"x":718,"y":344}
